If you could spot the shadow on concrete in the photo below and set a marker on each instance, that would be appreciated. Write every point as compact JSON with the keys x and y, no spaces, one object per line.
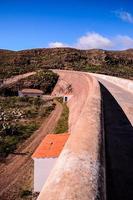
{"x":118,"y":149}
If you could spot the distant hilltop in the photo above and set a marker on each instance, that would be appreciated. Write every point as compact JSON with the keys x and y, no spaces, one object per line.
{"x":117,"y":63}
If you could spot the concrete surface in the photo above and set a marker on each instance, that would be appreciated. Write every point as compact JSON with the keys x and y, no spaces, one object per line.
{"x":125,"y":84}
{"x":118,"y":148}
{"x":76,"y":174}
{"x":117,"y":96}
{"x":122,"y":96}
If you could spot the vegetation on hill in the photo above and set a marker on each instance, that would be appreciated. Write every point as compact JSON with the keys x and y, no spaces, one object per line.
{"x":44,"y":80}
{"x":117,"y":63}
{"x":19,"y":118}
{"x":62,"y":125}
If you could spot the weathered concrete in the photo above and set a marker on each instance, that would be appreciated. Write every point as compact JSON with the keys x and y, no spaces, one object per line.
{"x":121,"y":82}
{"x":77,"y":171}
{"x":118,"y":122}
{"x":123,"y":97}
{"x":76,"y":174}
{"x":118,"y":149}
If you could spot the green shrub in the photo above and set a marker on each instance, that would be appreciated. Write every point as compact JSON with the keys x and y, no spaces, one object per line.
{"x":44,"y":80}
{"x":19,"y":119}
{"x":7,"y":145}
{"x":62,"y":125}
{"x":26,"y":130}
{"x":59,"y":99}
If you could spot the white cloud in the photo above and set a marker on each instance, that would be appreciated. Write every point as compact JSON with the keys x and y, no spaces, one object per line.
{"x":57,"y":44}
{"x":123,"y":42}
{"x":125,"y":16}
{"x":93,"y":40}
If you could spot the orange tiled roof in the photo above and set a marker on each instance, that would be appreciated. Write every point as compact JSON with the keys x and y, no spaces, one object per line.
{"x":51,"y":146}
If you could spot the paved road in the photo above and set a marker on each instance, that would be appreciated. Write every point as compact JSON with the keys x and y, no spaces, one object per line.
{"x":118,"y":120}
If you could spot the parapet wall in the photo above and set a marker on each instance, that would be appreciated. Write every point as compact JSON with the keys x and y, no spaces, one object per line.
{"x":121,"y":82}
{"x":76,"y":174}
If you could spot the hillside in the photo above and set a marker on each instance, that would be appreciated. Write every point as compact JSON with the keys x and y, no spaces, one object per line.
{"x":44,"y":80}
{"x":117,"y":63}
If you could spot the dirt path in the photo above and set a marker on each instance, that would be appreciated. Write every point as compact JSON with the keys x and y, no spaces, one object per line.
{"x":16,"y":78}
{"x":17,"y":173}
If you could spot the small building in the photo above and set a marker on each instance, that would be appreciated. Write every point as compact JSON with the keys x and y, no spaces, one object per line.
{"x":66,"y":98}
{"x":45,"y":157}
{"x":27,"y":92}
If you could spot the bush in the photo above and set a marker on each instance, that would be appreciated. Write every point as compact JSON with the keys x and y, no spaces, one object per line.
{"x":26,"y":130}
{"x":42,"y":80}
{"x":25,"y":193}
{"x":9,"y":142}
{"x":7,"y":145}
{"x":62,"y":125}
{"x":19,"y":118}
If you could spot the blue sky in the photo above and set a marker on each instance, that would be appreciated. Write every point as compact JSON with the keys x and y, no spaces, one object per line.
{"x":26,"y":24}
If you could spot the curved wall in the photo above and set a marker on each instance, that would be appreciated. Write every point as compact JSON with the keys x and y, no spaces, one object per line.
{"x":76,"y":173}
{"x":121,"y":82}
